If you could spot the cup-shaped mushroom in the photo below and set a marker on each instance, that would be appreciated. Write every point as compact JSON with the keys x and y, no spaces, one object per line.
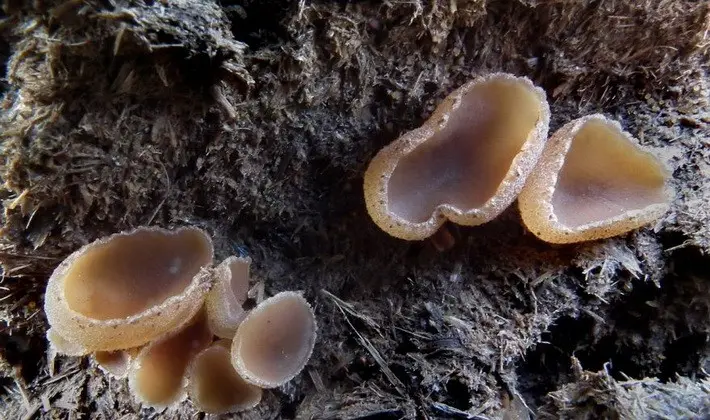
{"x":117,"y":362}
{"x":158,"y":376}
{"x":215,"y":387}
{"x":593,"y":181}
{"x":467,"y":163}
{"x":229,"y":292}
{"x":275,"y":341}
{"x":129,"y":288}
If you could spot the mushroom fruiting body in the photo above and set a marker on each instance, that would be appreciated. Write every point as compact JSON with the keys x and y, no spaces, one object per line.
{"x":467,"y":163}
{"x":129,"y":288}
{"x":215,"y":387}
{"x":224,"y":302}
{"x":140,"y":303}
{"x":158,"y":377}
{"x":593,"y":181}
{"x":275,"y":341}
{"x":115,"y":363}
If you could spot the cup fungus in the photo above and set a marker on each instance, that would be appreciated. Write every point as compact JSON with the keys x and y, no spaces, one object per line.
{"x":275,"y":341}
{"x":215,"y":387}
{"x":158,"y":376}
{"x":467,"y":163}
{"x":224,"y":302}
{"x":116,"y":363}
{"x":593,"y":181}
{"x":140,"y":303}
{"x":125,"y":290}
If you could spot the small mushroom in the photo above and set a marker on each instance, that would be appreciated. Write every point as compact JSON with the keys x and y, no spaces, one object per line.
{"x":224,"y":302}
{"x":215,"y":387}
{"x":158,"y":376}
{"x":275,"y":341}
{"x":593,"y":181}
{"x":127,"y":289}
{"x":117,"y":362}
{"x":467,"y":163}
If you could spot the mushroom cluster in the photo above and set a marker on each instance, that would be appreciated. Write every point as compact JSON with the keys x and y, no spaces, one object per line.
{"x":486,"y":145}
{"x":149,"y":305}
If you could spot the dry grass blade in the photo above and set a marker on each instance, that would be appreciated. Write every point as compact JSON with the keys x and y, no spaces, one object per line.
{"x":348,"y":307}
{"x":455,"y":412}
{"x":365,"y":342}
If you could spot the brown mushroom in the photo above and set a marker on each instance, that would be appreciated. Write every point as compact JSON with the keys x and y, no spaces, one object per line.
{"x":215,"y":387}
{"x":467,"y":163}
{"x":275,"y":341}
{"x":125,"y":290}
{"x":158,"y":377}
{"x":593,"y":181}
{"x":224,"y":302}
{"x":117,"y":362}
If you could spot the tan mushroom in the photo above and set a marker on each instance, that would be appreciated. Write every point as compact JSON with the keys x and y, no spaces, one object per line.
{"x":158,"y":377}
{"x":115,"y":363}
{"x":467,"y":163}
{"x":127,"y":289}
{"x":593,"y":181}
{"x":275,"y":341}
{"x":215,"y":387}
{"x":224,"y":302}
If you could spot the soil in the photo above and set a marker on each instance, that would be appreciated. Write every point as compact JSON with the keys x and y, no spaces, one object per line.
{"x":256,"y":119}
